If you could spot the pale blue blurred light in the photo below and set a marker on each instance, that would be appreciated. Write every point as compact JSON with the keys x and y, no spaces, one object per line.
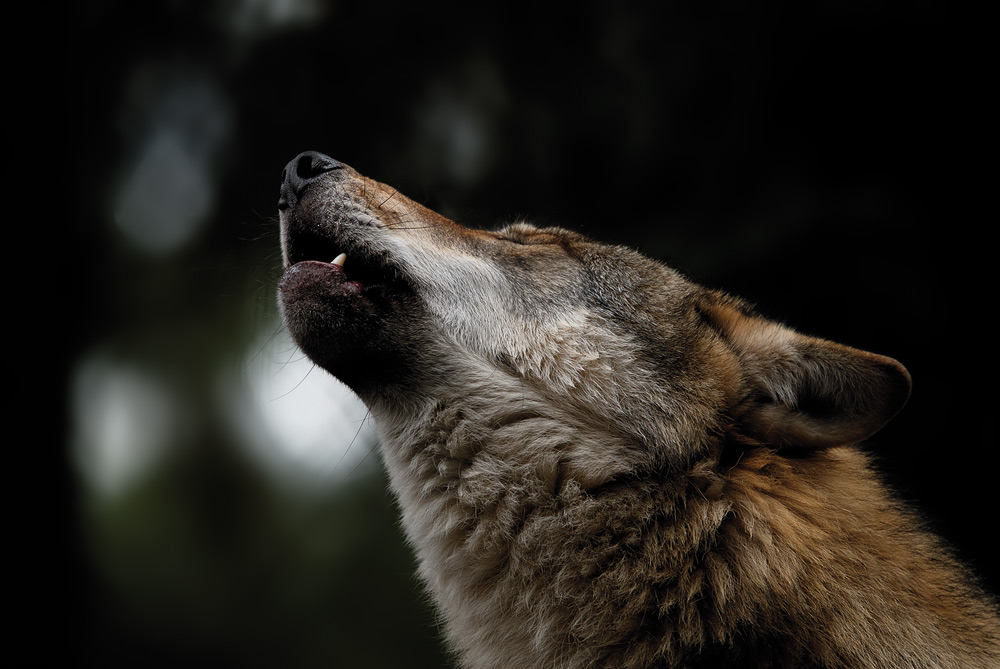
{"x":303,"y":426}
{"x":125,"y":419}
{"x":177,"y":123}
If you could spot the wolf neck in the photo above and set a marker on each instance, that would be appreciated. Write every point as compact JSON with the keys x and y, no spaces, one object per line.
{"x":499,"y":496}
{"x":518,"y":540}
{"x":483,"y":460}
{"x":475,"y":457}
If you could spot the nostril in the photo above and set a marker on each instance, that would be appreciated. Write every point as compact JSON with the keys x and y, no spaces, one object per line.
{"x":311,"y":164}
{"x":302,"y":170}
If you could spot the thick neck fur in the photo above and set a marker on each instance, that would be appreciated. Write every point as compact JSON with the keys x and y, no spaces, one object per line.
{"x":749,"y":558}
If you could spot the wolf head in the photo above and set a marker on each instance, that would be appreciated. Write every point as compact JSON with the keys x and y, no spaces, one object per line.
{"x":422,"y":310}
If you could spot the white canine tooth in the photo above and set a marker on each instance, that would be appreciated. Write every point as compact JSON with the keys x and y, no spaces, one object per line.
{"x":339,"y":260}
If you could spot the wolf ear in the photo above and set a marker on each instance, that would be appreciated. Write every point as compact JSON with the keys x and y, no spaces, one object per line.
{"x":805,"y":391}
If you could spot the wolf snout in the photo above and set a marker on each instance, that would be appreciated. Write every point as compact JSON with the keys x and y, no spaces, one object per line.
{"x":301,"y":171}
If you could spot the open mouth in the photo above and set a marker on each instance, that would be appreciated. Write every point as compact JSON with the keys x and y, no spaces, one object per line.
{"x":355,"y":271}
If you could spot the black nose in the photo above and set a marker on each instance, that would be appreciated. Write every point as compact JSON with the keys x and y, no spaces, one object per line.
{"x":301,"y":171}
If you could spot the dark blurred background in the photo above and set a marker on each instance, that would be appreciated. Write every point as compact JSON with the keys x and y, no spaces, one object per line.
{"x":224,"y":504}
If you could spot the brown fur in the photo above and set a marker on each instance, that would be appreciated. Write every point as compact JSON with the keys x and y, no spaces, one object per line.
{"x":601,"y":464}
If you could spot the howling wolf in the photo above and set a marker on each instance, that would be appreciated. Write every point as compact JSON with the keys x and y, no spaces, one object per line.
{"x":602,"y":464}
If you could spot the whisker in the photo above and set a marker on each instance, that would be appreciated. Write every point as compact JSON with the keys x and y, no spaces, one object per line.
{"x":391,"y":195}
{"x":370,"y":450}
{"x":296,"y":386}
{"x":410,"y":225}
{"x":347,"y":450}
{"x":261,"y":348}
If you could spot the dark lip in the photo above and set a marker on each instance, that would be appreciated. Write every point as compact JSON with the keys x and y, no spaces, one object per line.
{"x":308,"y":275}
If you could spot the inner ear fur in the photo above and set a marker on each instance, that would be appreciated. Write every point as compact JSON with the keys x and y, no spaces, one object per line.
{"x":804,"y":391}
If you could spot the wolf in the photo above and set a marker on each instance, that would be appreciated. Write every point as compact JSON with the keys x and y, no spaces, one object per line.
{"x":600,"y":463}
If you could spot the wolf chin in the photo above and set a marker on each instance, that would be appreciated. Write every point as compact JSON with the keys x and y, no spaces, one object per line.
{"x":601,"y":464}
